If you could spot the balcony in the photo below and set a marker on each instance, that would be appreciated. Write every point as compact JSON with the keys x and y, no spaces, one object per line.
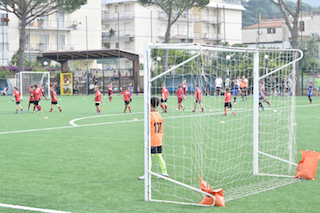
{"x":123,"y":33}
{"x":48,"y":47}
{"x":114,"y":16}
{"x":183,"y":17}
{"x":212,"y":36}
{"x":212,"y":19}
{"x":53,"y":25}
{"x":181,"y":35}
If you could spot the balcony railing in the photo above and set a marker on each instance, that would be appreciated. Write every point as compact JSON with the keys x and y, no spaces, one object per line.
{"x":212,"y":36}
{"x":212,"y":19}
{"x":122,"y":15}
{"x":49,"y":47}
{"x":123,"y":33}
{"x":45,"y":24}
{"x":183,"y":16}
{"x":232,"y":2}
{"x":182,"y":34}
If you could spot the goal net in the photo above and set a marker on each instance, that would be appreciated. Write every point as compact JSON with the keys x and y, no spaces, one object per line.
{"x":244,"y":154}
{"x":25,"y":79}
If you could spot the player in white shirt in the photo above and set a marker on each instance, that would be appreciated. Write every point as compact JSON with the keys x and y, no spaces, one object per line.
{"x":227,"y":83}
{"x":218,"y":83}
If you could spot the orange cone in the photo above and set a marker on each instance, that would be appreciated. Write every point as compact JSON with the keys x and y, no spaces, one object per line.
{"x":216,"y":193}
{"x":307,"y":167}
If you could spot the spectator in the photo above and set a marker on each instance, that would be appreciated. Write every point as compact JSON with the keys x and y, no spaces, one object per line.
{"x":218,"y":83}
{"x":138,"y":89}
{"x":227,"y":83}
{"x":91,"y":87}
{"x":206,"y":89}
{"x":75,"y":88}
{"x":97,"y":75}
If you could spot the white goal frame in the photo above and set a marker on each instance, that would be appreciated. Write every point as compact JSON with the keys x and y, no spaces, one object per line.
{"x":147,"y":109}
{"x":19,"y":76}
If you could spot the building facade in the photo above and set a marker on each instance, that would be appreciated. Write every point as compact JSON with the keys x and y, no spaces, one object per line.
{"x":128,"y":25}
{"x":56,"y":32}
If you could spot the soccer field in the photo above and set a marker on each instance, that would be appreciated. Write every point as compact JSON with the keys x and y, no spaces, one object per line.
{"x":77,"y":161}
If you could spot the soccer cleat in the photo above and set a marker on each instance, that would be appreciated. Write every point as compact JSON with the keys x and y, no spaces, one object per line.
{"x":50,"y":111}
{"x":234,"y":114}
{"x":224,"y":115}
{"x":27,"y":110}
{"x":270,"y":105}
{"x":124,"y":111}
{"x":163,"y":176}
{"x":21,"y":111}
{"x":262,"y":109}
{"x":310,"y":103}
{"x":193,"y":111}
{"x":163,"y":111}
{"x":183,"y":108}
{"x":141,"y":177}
{"x":16,"y":111}
{"x":98,"y":113}
{"x":40,"y":112}
{"x":33,"y":111}
{"x":60,"y":110}
{"x":234,"y":103}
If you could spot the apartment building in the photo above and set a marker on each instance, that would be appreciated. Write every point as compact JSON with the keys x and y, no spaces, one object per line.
{"x":275,"y":33}
{"x":128,"y":25}
{"x":56,"y":32}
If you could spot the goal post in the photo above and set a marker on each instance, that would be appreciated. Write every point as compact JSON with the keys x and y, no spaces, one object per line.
{"x":244,"y":154}
{"x":26,"y":78}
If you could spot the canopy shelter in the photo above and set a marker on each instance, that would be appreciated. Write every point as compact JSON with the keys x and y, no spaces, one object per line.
{"x":64,"y":56}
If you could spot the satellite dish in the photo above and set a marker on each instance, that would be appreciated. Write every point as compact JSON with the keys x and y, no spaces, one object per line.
{"x":290,"y":17}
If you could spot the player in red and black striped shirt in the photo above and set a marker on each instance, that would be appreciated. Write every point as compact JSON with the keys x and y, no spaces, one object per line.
{"x":17,"y":94}
{"x":54,"y":99}
{"x":198,"y":99}
{"x":42,"y":92}
{"x":164,"y":98}
{"x":227,"y":101}
{"x":126,"y":97}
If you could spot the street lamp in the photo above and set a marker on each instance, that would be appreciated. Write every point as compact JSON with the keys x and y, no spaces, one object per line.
{"x":266,"y":57}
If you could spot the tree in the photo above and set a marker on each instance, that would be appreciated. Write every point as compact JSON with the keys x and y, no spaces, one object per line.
{"x":174,"y":9}
{"x":310,"y":64}
{"x":287,"y":13}
{"x":28,"y":10}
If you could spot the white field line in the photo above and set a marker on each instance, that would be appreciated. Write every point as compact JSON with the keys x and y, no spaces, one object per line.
{"x":30,"y":208}
{"x":97,"y":116}
{"x":129,"y":121}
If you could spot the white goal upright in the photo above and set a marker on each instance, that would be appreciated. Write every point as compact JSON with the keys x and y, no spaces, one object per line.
{"x":24,"y":79}
{"x":244,"y":154}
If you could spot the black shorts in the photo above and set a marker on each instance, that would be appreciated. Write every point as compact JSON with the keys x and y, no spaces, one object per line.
{"x":97,"y":104}
{"x":228,"y":104}
{"x":165,"y":100}
{"x":54,"y":103}
{"x":31,"y":102}
{"x":126,"y":103}
{"x":218,"y":88}
{"x":18,"y":102}
{"x":156,"y":149}
{"x":244,"y":89}
{"x":198,"y":102}
{"x":36,"y":103}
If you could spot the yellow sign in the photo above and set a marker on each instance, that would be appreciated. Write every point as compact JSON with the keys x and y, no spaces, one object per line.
{"x":66,"y":84}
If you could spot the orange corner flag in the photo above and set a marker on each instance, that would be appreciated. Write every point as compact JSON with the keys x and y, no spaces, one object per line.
{"x":307,"y":167}
{"x":216,"y":193}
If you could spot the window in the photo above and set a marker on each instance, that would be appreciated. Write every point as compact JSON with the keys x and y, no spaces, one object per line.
{"x":127,"y":45}
{"x":117,"y":45}
{"x":44,"y":42}
{"x":61,"y":42}
{"x":128,"y":64}
{"x":4,"y":41}
{"x":107,"y":45}
{"x":3,"y":16}
{"x":127,"y":26}
{"x":60,"y":19}
{"x":116,"y":8}
{"x":271,"y":30}
{"x":301,"y":26}
{"x":4,"y":61}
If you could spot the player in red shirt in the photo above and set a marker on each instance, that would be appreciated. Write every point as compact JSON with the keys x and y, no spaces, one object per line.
{"x":184,"y":88}
{"x":227,"y":101}
{"x":198,"y":99}
{"x":180,"y":96}
{"x":97,"y":99}
{"x":42,"y":92}
{"x":36,"y":93}
{"x":54,"y":99}
{"x":126,"y":97}
{"x":17,"y":94}
{"x":31,"y":99}
{"x":110,"y":91}
{"x":264,"y":97}
{"x":164,"y":98}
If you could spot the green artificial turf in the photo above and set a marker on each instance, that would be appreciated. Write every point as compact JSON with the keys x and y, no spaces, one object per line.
{"x":94,"y":167}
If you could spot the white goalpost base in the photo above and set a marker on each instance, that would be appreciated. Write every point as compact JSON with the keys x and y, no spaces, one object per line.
{"x":24,"y":79}
{"x":245,"y":154}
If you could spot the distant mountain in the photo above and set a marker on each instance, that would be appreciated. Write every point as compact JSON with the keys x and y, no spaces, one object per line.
{"x":313,"y":3}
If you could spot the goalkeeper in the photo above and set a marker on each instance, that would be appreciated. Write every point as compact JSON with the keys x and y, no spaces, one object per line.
{"x":156,"y":136}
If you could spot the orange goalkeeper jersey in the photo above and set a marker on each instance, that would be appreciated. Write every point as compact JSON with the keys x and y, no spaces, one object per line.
{"x":156,"y":129}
